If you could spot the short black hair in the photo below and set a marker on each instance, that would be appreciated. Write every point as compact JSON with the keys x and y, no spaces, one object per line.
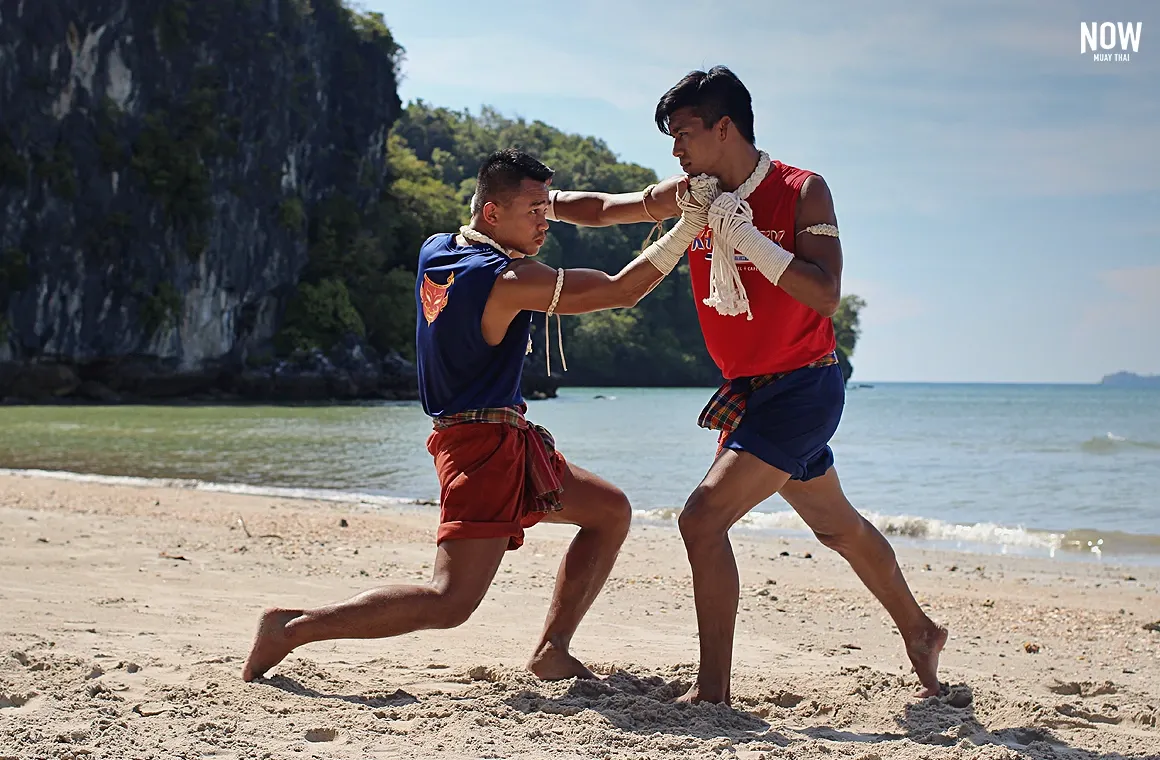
{"x":500,"y":176}
{"x":712,"y":95}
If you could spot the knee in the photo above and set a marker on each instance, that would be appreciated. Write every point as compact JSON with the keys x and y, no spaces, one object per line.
{"x":619,"y":513}
{"x":701,"y":519}
{"x":613,"y":514}
{"x":843,"y":539}
{"x":454,"y":609}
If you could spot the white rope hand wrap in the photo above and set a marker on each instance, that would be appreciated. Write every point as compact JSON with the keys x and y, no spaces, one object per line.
{"x":666,"y":253}
{"x":732,"y":220}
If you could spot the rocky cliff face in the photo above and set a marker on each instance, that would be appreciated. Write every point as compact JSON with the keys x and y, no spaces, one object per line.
{"x":161,"y":162}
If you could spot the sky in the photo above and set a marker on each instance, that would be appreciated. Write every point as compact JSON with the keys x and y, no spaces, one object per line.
{"x":997,"y":190}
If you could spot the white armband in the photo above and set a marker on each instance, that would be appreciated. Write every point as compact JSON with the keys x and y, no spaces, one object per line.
{"x":551,"y":214}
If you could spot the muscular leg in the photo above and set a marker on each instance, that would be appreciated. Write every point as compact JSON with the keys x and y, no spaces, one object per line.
{"x":836,"y":523}
{"x":735,"y":484}
{"x":603,"y":513}
{"x":464,"y":570}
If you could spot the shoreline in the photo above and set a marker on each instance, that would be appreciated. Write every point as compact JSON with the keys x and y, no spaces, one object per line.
{"x":126,"y":613}
{"x":919,"y":533}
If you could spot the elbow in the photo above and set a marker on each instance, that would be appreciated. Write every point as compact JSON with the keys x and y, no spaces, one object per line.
{"x":629,"y":300}
{"x":630,"y":296}
{"x":828,"y":305}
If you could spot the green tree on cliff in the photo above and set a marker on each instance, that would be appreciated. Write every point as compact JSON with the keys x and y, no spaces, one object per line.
{"x":847,"y":329}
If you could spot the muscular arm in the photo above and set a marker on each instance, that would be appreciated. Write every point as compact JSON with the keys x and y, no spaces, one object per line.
{"x":529,"y":285}
{"x":814,"y":277}
{"x":587,"y":209}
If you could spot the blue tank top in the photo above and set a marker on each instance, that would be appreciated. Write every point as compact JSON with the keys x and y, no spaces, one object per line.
{"x":458,"y":370}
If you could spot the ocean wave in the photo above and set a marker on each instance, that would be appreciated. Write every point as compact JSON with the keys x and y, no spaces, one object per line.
{"x":983,"y":536}
{"x":1110,"y":443}
{"x":314,"y":494}
{"x":907,"y":526}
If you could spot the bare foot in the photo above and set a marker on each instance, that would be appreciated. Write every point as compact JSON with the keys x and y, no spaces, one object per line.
{"x":271,"y":644}
{"x":923,"y":652}
{"x":695,"y":696}
{"x":550,"y":663}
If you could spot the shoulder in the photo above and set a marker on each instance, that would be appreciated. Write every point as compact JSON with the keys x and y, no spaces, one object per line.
{"x":440,"y":239}
{"x":437,"y":243}
{"x":525,"y":270}
{"x":791,"y":176}
{"x":810,"y":186}
{"x":815,"y":193}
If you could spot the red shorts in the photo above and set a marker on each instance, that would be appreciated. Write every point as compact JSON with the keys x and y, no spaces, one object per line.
{"x":483,"y":490}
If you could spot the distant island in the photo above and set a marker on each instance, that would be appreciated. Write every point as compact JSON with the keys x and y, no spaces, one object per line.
{"x":1131,"y":380}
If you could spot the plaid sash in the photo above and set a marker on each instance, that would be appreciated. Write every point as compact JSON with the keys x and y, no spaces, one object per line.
{"x":539,"y":445}
{"x":725,"y":410}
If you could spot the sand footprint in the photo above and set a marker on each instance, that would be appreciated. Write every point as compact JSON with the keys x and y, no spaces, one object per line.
{"x":321,"y":735}
{"x":15,"y":700}
{"x":1084,"y":689}
{"x":484,"y":673}
{"x":1073,"y":711}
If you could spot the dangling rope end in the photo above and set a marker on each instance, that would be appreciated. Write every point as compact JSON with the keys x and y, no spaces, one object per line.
{"x":548,"y":325}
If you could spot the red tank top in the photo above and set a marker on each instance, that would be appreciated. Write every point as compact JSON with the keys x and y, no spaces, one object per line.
{"x":784,"y":333}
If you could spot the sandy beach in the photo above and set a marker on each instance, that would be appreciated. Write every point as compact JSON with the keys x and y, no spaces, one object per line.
{"x":126,"y":612}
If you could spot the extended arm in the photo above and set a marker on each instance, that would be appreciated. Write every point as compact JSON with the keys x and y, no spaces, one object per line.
{"x":589,"y":209}
{"x":532,"y":286}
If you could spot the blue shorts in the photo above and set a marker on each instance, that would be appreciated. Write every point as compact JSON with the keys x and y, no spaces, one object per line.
{"x":788,"y":424}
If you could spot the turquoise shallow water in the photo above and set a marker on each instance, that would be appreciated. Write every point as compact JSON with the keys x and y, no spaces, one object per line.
{"x":1019,"y":468}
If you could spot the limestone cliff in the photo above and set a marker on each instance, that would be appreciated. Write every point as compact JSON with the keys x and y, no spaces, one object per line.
{"x":161,"y":164}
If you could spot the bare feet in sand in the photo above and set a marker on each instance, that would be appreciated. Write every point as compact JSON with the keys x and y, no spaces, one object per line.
{"x":694,"y":697}
{"x":923,"y":652}
{"x":551,"y":663}
{"x":271,"y":643}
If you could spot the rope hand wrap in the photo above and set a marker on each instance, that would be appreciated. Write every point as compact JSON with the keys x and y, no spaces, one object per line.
{"x":732,"y":219}
{"x":729,"y":216}
{"x":666,"y":253}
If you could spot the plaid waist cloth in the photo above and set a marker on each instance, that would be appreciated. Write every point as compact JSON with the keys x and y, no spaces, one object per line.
{"x":725,"y":410}
{"x":539,"y":445}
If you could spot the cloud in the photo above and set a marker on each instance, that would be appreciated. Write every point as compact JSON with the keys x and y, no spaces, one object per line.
{"x":964,"y":102}
{"x":1123,"y":323}
{"x":1132,"y":292}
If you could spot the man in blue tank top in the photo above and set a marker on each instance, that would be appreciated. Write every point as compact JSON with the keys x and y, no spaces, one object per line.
{"x":476,"y":292}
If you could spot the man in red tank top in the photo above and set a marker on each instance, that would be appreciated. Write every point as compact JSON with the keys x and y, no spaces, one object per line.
{"x":766,"y":275}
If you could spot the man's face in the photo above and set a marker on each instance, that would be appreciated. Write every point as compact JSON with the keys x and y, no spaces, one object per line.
{"x":699,"y":149}
{"x":522,"y":222}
